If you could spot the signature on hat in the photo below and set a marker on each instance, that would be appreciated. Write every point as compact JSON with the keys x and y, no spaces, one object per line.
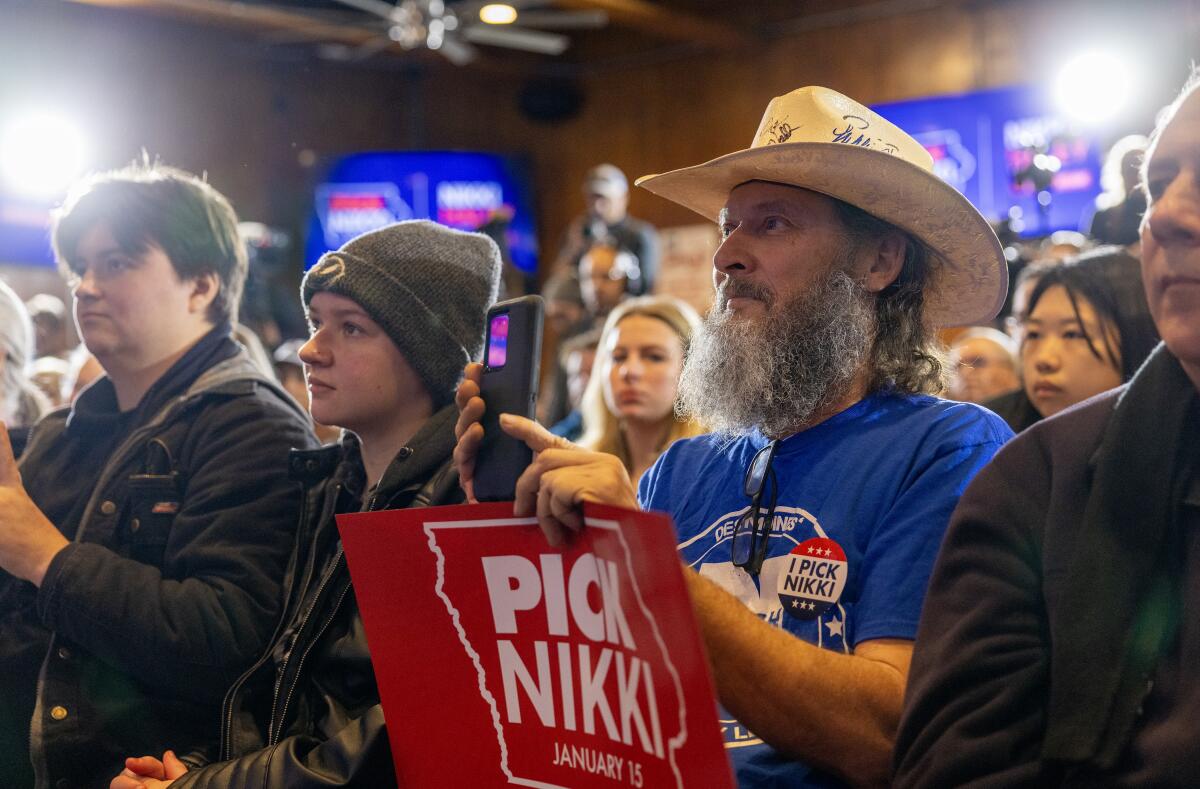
{"x":854,"y":123}
{"x":780,"y":131}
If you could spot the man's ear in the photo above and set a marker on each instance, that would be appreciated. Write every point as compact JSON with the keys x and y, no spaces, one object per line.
{"x":884,"y":265}
{"x":205,"y":288}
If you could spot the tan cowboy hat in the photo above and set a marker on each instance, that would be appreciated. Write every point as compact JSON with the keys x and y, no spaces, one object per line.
{"x":818,"y":139}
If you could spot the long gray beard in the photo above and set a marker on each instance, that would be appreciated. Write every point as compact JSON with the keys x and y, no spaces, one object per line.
{"x":775,"y":371}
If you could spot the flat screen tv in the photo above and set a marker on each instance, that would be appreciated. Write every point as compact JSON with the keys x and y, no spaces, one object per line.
{"x":464,"y":190}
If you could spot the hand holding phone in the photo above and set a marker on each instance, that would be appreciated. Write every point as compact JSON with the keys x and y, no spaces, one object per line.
{"x":511,"y":371}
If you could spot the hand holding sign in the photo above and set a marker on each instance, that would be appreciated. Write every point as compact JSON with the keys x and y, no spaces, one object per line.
{"x":146,"y":772}
{"x":562,"y":476}
{"x":578,"y":668}
{"x":28,"y":540}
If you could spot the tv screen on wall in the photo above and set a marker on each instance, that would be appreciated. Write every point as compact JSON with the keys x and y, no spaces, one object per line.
{"x":464,"y":190}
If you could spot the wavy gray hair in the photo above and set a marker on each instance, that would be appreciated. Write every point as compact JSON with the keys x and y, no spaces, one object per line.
{"x":906,"y":354}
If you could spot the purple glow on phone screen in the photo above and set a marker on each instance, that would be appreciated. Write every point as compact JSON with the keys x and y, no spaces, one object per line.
{"x":497,"y":341}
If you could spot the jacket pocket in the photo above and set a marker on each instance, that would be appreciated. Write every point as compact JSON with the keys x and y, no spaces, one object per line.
{"x":154,"y":501}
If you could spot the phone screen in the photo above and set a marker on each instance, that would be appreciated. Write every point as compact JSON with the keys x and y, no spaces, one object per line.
{"x":497,"y":349}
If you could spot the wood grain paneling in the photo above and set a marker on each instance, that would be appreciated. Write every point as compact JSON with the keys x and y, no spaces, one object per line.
{"x":244,"y":112}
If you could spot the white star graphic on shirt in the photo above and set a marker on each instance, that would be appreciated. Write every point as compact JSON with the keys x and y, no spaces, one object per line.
{"x":828,"y":551}
{"x":835,"y":627}
{"x":811,"y":549}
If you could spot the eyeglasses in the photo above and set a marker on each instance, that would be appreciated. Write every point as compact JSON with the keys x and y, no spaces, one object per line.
{"x":753,"y":529}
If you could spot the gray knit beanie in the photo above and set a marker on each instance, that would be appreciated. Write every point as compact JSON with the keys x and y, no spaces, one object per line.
{"x":428,"y":286}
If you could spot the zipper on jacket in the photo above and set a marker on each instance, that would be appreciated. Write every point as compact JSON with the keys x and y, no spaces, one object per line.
{"x":226,"y":736}
{"x":282,"y":711}
{"x":278,"y":713}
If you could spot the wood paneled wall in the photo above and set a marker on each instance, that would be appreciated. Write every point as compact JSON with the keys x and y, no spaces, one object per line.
{"x":209,"y":101}
{"x":689,"y":111}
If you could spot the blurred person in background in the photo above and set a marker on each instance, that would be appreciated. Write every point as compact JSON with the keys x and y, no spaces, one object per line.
{"x":605,"y":272}
{"x":1087,"y":330}
{"x":83,"y":369}
{"x":21,"y":402}
{"x":269,"y":305}
{"x":1060,"y":245}
{"x":50,"y":375}
{"x":566,"y":317}
{"x":290,"y":370}
{"x":1121,"y":205}
{"x":606,"y":194}
{"x":248,"y":339}
{"x":983,"y":365}
{"x":605,"y":275}
{"x":576,"y":358}
{"x":514,"y":282}
{"x":629,"y":405}
{"x":49,"y":316}
{"x":1026,"y":280}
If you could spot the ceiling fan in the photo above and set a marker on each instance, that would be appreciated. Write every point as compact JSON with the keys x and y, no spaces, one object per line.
{"x":454,"y":29}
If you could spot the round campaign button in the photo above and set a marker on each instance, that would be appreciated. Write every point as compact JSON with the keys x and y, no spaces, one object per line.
{"x":813,"y":578}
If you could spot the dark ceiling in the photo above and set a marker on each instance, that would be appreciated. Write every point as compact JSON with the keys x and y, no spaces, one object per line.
{"x":620,"y":33}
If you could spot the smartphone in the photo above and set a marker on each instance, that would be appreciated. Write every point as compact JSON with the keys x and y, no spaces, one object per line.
{"x":511,"y":369}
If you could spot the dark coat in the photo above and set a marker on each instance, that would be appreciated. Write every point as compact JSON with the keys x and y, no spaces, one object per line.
{"x":1015,"y":409}
{"x":173,"y":581}
{"x":980,"y":684}
{"x":308,"y":713}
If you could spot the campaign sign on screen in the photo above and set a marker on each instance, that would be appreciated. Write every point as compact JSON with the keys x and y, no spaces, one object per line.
{"x":461,"y":189}
{"x":504,"y":662}
{"x":497,"y":352}
{"x":986,"y":145}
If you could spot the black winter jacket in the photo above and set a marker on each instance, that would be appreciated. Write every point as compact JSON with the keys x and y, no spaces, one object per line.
{"x":308,"y":713}
{"x":173,"y":582}
{"x":979,"y":689}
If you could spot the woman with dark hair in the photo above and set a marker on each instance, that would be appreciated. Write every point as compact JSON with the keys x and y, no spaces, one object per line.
{"x":1087,"y":330}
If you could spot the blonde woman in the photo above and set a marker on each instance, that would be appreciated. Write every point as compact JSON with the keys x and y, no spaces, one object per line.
{"x":629,"y":404}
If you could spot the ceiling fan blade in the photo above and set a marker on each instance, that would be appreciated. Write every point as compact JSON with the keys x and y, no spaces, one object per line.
{"x":564,"y":20}
{"x":379,"y":8}
{"x":516,"y":38}
{"x":457,"y":52}
{"x":369,"y":48}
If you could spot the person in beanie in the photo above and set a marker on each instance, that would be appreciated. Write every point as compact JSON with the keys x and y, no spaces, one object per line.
{"x":394,"y":314}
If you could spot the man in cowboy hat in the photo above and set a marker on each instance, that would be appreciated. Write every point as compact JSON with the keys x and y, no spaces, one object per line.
{"x":809,"y":521}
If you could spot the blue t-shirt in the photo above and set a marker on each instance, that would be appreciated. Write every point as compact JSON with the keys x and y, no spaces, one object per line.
{"x":863,"y":501}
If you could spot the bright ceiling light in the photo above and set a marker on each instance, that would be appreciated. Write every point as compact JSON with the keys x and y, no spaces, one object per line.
{"x":498,"y":14}
{"x":41,"y":154}
{"x":1094,"y":86}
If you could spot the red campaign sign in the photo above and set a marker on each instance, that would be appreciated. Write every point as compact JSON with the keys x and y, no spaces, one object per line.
{"x":504,"y":662}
